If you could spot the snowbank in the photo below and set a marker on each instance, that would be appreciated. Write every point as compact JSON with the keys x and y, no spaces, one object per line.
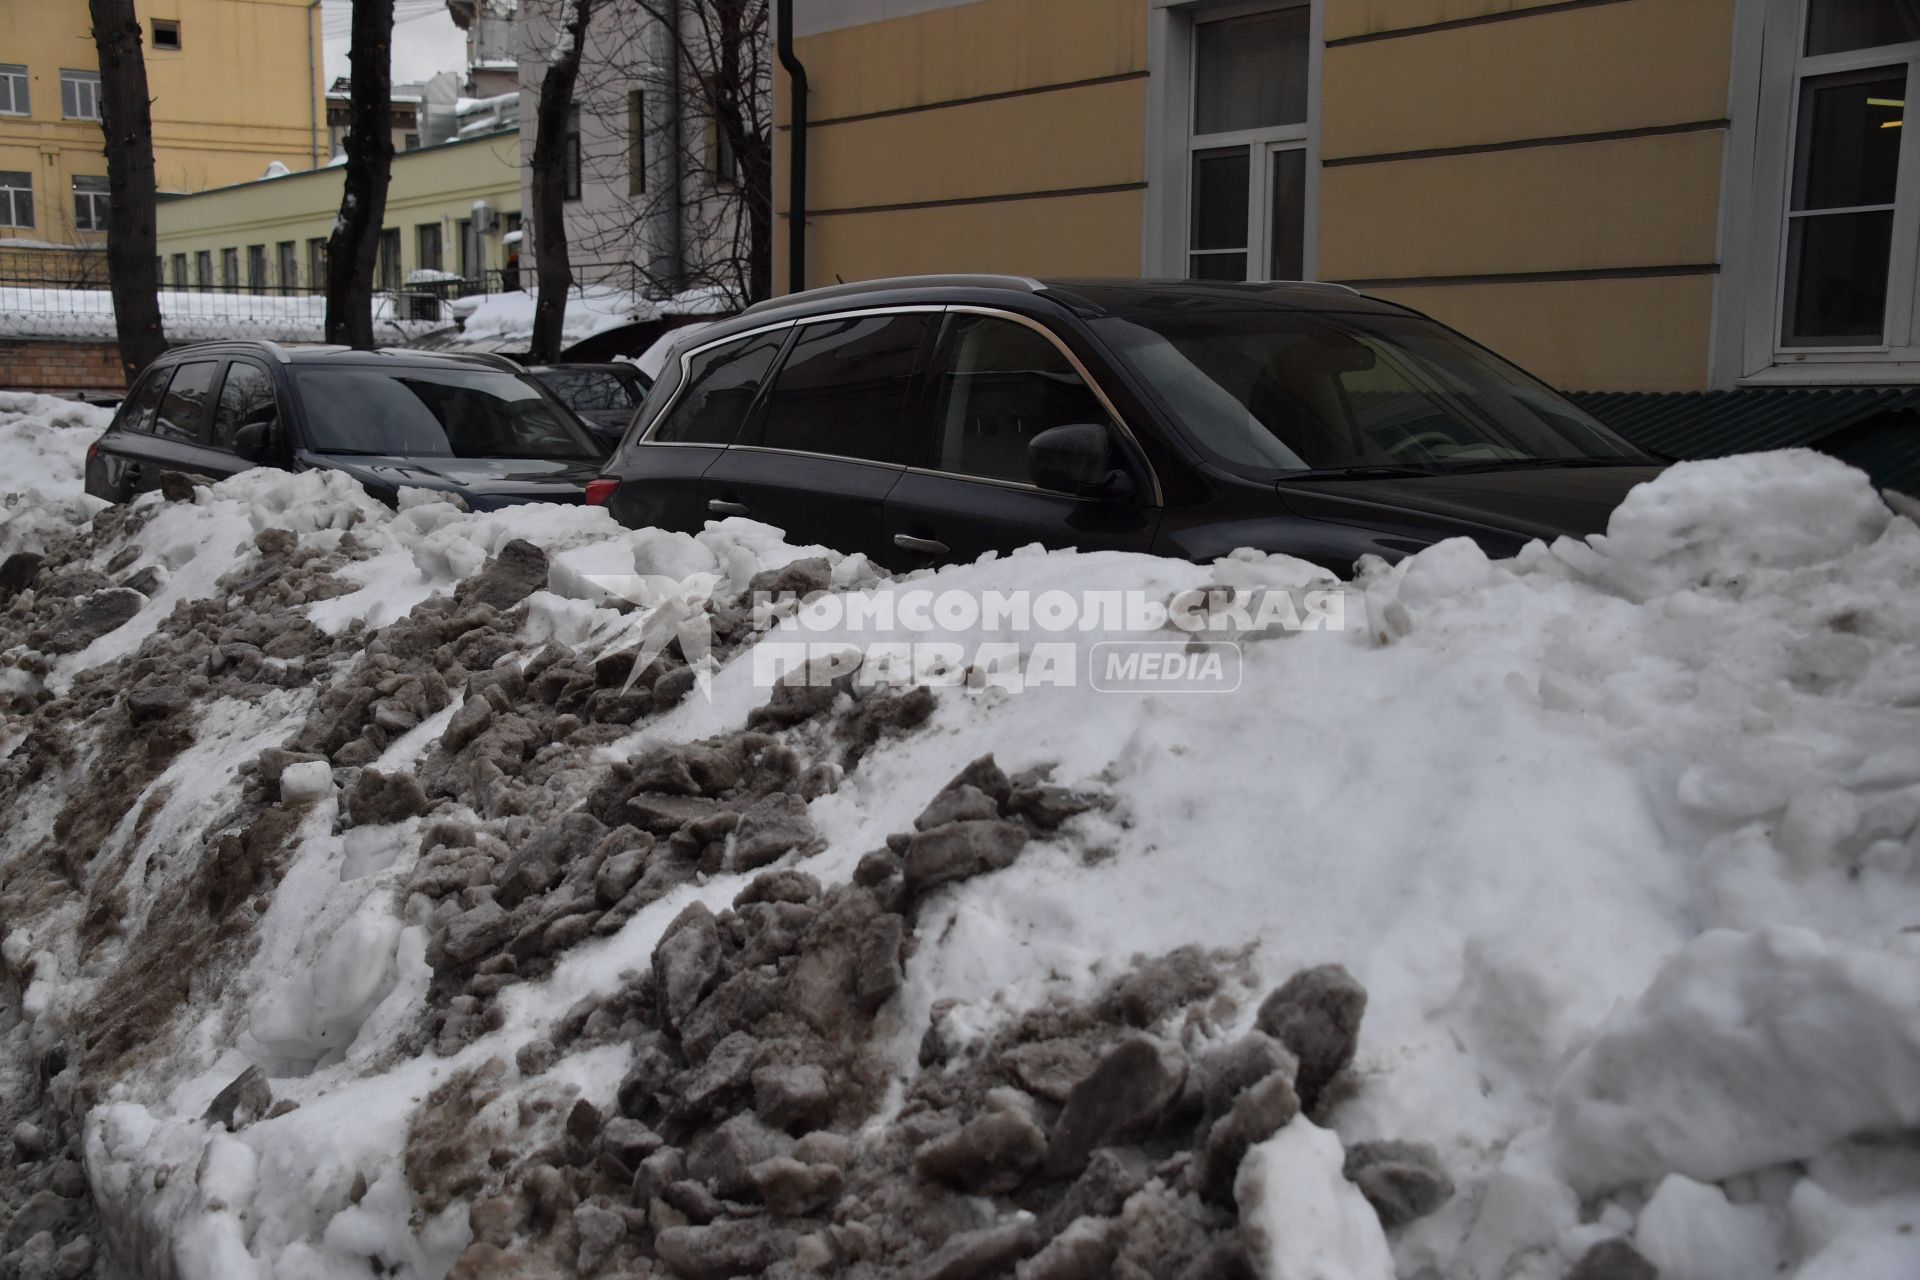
{"x":44,"y":443}
{"x":541,"y":955}
{"x":503,"y":320}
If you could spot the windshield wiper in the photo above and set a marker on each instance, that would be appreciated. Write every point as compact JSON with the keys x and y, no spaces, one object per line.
{"x":1525,"y":464}
{"x":1362,"y":471}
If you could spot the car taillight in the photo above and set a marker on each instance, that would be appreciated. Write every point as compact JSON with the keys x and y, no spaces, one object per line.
{"x":600,"y":492}
{"x":93,"y":451}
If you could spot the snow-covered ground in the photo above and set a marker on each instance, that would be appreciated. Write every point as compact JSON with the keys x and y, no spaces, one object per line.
{"x":1617,"y":843}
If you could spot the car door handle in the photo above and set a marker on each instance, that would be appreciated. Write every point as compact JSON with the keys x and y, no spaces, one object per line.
{"x":926,"y":546}
{"x":721,"y":508}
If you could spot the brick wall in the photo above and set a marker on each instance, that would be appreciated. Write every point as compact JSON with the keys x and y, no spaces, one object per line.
{"x":30,"y":365}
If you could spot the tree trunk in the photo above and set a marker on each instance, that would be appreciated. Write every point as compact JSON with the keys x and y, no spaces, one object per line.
{"x":355,"y":242}
{"x":552,"y":155}
{"x":133,"y":272}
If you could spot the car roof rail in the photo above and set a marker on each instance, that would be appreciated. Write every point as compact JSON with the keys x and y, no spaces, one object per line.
{"x":1322,"y":284}
{"x":1026,"y":284}
{"x":506,"y":364}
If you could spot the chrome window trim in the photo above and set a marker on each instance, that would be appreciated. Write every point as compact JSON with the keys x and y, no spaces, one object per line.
{"x":999,"y":313}
{"x":972,"y":479}
{"x":1086,"y":376}
{"x":825,"y":457}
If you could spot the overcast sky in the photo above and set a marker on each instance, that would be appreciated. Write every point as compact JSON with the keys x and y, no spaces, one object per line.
{"x":425,"y":41}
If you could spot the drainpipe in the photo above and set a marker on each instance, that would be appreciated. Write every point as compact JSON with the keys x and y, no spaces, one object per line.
{"x":796,"y":152}
{"x":666,"y":264}
{"x":313,"y":92}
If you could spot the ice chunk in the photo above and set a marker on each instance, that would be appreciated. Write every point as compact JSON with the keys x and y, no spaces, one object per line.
{"x":306,"y":781}
{"x":1748,"y":1049}
{"x":1300,"y":1217}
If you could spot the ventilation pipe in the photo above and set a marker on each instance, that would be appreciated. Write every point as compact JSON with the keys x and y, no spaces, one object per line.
{"x":796,"y":152}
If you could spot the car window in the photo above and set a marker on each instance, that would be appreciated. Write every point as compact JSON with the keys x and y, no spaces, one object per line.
{"x":404,"y":411}
{"x":721,"y":384}
{"x":184,"y":407}
{"x":844,"y":386}
{"x":246,"y":396}
{"x":1001,"y":384}
{"x":141,"y":406}
{"x":592,"y":390}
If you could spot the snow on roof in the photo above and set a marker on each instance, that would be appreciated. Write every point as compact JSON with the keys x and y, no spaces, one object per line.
{"x":504,"y":321}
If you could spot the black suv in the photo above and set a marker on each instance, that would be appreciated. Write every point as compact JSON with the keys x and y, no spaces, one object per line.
{"x":472,"y":425}
{"x":932,"y":419}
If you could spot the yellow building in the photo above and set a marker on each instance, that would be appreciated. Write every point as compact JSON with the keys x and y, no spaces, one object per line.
{"x":448,"y":208}
{"x":1625,"y":195}
{"x":235,"y":87}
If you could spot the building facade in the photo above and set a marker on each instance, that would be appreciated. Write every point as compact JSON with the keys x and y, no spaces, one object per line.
{"x":235,"y":87}
{"x":448,"y":208}
{"x":1623,"y":195}
{"x":655,"y":202}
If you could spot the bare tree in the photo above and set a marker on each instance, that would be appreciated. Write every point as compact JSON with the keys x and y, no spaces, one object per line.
{"x":676,"y":143}
{"x":554,"y":153}
{"x":355,"y":242}
{"x":132,"y":242}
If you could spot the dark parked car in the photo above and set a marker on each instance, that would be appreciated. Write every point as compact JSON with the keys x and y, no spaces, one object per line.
{"x":472,"y":425}
{"x":932,"y":419}
{"x":603,"y":395}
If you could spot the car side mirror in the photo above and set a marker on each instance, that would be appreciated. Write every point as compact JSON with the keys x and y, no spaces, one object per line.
{"x":255,"y":440}
{"x":1077,"y":459}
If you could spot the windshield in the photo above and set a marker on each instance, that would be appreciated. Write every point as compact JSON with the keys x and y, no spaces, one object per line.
{"x":436,"y":413}
{"x":1274,"y":392}
{"x":594,"y":390}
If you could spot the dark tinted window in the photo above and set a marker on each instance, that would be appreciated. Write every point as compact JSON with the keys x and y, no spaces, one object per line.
{"x":1002,"y":383}
{"x":721,"y":385}
{"x":844,"y":385}
{"x":593,"y":390}
{"x":441,"y":412}
{"x":138,"y":414}
{"x":184,"y":407}
{"x":246,"y":396}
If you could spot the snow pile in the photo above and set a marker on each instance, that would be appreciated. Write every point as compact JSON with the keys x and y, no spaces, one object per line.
{"x":1555,"y":915}
{"x":44,"y":442}
{"x":505,"y":320}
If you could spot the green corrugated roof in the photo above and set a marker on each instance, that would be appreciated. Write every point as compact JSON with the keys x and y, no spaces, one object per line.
{"x":1874,"y":428}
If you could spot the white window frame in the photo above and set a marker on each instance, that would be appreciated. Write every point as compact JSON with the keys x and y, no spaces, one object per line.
{"x":1773,"y":50}
{"x":10,"y":205}
{"x":98,"y":205}
{"x":1171,"y":142}
{"x":19,"y":91}
{"x":86,"y":94}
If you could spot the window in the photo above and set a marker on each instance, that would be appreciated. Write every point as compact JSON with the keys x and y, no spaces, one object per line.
{"x":203,"y":268}
{"x":427,"y":238}
{"x":90,"y":203}
{"x":179,"y":270}
{"x":166,"y":35}
{"x":721,"y":384}
{"x":246,"y":396}
{"x":230,"y":268}
{"x":1001,"y":385}
{"x":16,"y":199}
{"x":185,"y":404}
{"x":13,"y":91}
{"x":844,"y":385}
{"x":722,"y":165}
{"x":412,"y":142}
{"x":636,"y":141}
{"x":257,"y":268}
{"x":288,"y":254}
{"x":1247,"y":146}
{"x":137,"y":412}
{"x":389,"y":260}
{"x":416,"y":411}
{"x":80,"y":95}
{"x":573,"y":153}
{"x":317,"y":262}
{"x":1836,"y":258}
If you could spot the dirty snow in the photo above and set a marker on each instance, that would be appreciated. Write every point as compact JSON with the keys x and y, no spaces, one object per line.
{"x":1622,"y":839}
